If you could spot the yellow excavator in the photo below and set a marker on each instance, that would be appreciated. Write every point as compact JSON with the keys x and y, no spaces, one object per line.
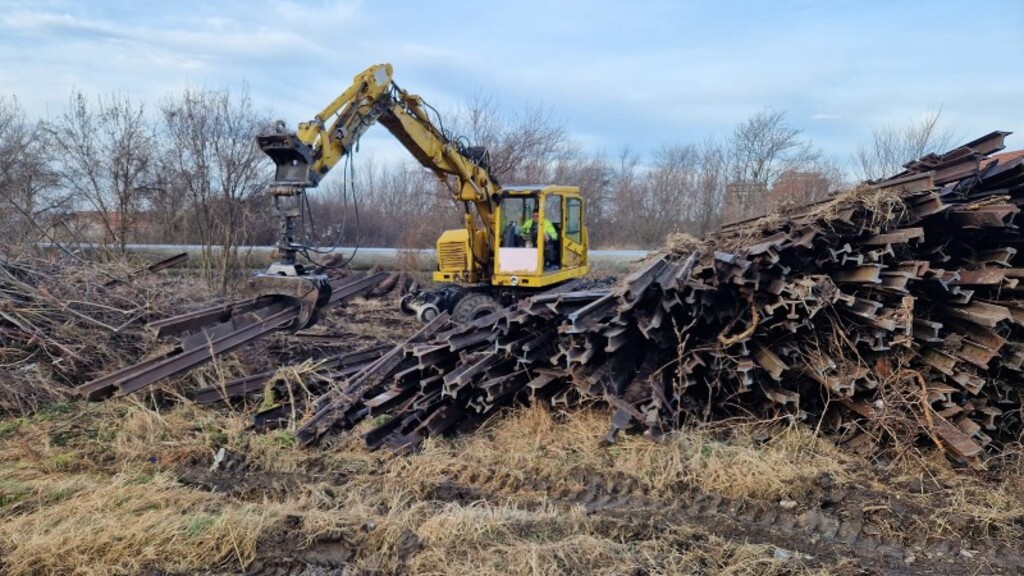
{"x":516,"y":240}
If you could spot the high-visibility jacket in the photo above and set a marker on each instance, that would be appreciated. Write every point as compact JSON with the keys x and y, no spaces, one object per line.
{"x":547,"y":226}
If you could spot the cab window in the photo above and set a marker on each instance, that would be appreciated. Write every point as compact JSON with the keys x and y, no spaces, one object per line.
{"x":574,"y":220}
{"x":515,"y":211}
{"x":553,"y":209}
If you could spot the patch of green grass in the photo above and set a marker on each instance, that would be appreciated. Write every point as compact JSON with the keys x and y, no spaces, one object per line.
{"x":144,"y":477}
{"x":284,"y":439}
{"x":198,"y":525}
{"x":63,"y":462}
{"x":12,"y":492}
{"x":63,"y":438}
{"x":59,"y":495}
{"x":215,"y":437}
{"x":707,"y":450}
{"x":9,"y":427}
{"x":56,"y":410}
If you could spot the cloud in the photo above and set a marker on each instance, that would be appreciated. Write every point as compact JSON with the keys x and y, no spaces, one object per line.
{"x":642,"y":76}
{"x":43,"y":23}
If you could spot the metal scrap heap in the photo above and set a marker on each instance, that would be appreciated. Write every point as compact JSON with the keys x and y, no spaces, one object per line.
{"x":884,"y":316}
{"x":888,"y":313}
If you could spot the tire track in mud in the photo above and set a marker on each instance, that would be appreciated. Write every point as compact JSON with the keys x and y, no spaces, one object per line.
{"x":826,"y":529}
{"x":823,"y":531}
{"x":233,"y":475}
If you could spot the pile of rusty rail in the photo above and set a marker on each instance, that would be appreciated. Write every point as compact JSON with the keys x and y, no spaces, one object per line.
{"x":894,"y":303}
{"x":890,"y":313}
{"x":206,"y":333}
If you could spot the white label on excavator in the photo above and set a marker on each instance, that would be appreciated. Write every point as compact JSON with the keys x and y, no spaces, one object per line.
{"x":517,"y":260}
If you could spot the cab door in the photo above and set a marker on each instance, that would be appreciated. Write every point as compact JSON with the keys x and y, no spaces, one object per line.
{"x":574,"y":246}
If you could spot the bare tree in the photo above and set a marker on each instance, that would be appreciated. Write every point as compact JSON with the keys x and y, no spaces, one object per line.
{"x":594,"y":176}
{"x":764,"y":146}
{"x":523,"y":146}
{"x":396,"y":205}
{"x":211,"y":154}
{"x":627,"y":190}
{"x":25,"y":178}
{"x":892,"y":147}
{"x":103,"y":155}
{"x":710,"y":181}
{"x":762,"y":149}
{"x":669,"y":189}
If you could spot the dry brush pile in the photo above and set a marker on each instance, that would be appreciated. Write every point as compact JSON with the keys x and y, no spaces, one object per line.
{"x":63,"y":321}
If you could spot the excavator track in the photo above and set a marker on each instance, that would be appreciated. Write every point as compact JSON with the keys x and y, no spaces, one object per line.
{"x":828,"y":529}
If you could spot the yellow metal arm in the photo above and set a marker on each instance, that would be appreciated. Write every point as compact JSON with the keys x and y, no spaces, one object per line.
{"x":355,"y":110}
{"x":305,"y":156}
{"x":372,"y":97}
{"x":407,"y":121}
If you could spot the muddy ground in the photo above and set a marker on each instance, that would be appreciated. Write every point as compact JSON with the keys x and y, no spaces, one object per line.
{"x":124,"y":488}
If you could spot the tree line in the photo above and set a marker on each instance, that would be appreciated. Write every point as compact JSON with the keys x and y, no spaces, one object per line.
{"x":188,"y":171}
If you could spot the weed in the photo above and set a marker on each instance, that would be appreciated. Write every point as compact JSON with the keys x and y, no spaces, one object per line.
{"x":62,"y":462}
{"x":9,"y":426}
{"x":59,"y":495}
{"x":63,"y":437}
{"x":56,"y":410}
{"x":284,"y":439}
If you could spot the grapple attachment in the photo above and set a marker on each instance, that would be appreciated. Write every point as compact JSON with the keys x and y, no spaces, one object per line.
{"x":311,"y":292}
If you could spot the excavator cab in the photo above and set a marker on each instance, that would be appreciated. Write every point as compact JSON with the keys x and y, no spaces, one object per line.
{"x":541,"y":237}
{"x":539,"y":240}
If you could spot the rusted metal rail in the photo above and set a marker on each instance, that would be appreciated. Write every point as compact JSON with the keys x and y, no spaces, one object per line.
{"x":210,"y":332}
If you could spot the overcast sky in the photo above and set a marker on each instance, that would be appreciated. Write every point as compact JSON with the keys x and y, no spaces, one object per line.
{"x":614,"y":73}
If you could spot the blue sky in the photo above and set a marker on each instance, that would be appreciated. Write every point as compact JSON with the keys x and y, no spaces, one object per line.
{"x":615,"y":74}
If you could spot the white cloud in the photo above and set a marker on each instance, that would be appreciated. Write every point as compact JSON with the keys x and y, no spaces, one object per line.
{"x":656,"y":73}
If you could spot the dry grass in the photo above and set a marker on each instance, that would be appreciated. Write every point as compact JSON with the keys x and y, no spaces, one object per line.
{"x":534,"y":442}
{"x":987,"y":507}
{"x":95,"y":489}
{"x":880,"y":206}
{"x":482,"y":539}
{"x":124,"y":523}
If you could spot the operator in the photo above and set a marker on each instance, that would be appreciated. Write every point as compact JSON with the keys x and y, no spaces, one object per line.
{"x":530,"y":229}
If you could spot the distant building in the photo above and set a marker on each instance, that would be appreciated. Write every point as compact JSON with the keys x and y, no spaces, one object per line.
{"x":96,"y":227}
{"x":798,"y":188}
{"x":744,"y":200}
